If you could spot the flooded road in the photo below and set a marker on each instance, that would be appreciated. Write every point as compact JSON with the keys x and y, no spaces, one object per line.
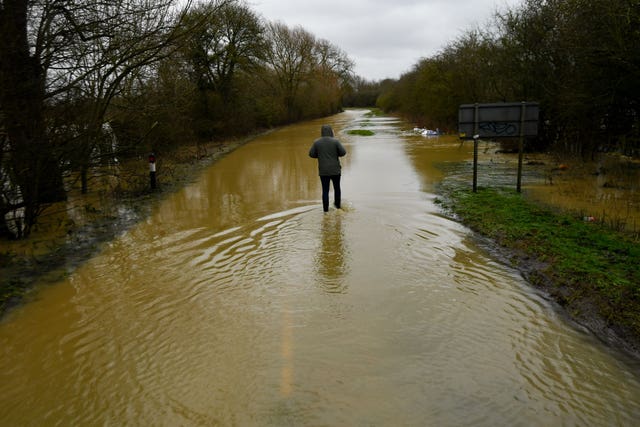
{"x":239,"y":302}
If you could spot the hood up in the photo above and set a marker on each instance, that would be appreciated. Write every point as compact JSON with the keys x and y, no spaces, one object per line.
{"x":326,"y":131}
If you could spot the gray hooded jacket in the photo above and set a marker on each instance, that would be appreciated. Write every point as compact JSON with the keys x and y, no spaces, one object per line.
{"x":327,"y":150}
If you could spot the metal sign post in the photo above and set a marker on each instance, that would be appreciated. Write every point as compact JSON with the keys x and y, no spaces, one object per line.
{"x":476,"y":136}
{"x":499,"y":120}
{"x":523,"y":111}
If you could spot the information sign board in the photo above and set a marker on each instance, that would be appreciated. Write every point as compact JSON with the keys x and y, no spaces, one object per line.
{"x":498,"y":120}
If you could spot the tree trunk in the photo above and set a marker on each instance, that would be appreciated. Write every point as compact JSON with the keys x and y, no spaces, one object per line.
{"x":22,"y":88}
{"x":84,"y":178}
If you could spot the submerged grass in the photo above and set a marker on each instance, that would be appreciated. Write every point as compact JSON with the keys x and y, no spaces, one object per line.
{"x":375,"y":112}
{"x":361,"y":132}
{"x":585,"y":265}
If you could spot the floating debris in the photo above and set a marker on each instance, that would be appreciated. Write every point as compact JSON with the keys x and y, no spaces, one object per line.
{"x":427,"y":132}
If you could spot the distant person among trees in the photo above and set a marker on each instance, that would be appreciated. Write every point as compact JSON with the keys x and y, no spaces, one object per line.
{"x":328,"y":150}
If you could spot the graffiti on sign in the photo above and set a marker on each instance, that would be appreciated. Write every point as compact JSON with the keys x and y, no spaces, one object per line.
{"x":498,"y":129}
{"x":499,"y":120}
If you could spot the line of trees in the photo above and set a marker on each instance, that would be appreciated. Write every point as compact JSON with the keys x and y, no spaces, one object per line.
{"x":578,"y":58}
{"x":85,"y":81}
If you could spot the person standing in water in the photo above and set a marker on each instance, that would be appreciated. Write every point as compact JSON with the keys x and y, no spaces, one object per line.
{"x":328,"y":151}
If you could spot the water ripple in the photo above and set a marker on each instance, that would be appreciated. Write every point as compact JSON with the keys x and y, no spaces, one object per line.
{"x":382,"y":313}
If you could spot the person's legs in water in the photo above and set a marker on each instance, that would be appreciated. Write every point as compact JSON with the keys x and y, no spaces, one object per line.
{"x":337,"y":192}
{"x":326,"y":180}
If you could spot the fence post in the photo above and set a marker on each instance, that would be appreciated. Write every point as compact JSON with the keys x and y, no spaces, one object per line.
{"x":475,"y":148}
{"x":152,"y":171}
{"x":523,"y":109}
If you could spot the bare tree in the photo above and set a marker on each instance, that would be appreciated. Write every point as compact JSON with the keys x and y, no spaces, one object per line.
{"x":55,"y":52}
{"x":110,"y":43}
{"x":228,"y":40}
{"x":332,"y":74}
{"x":291,"y":60}
{"x":332,"y":59}
{"x":33,"y":166}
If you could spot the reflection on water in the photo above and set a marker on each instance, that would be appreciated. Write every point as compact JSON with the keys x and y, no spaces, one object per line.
{"x":608,"y":194}
{"x":239,"y":302}
{"x":332,"y":257}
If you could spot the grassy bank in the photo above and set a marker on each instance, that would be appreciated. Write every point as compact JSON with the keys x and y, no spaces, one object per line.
{"x":594,"y":272}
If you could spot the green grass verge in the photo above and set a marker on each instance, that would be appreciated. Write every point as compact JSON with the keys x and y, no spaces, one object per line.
{"x":588,"y":261}
{"x":361,"y":132}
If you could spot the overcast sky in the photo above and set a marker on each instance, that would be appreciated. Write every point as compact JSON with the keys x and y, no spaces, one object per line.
{"x":385,"y":38}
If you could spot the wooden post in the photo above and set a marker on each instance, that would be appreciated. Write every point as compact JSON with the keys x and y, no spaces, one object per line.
{"x":152,"y":171}
{"x":523,"y":109}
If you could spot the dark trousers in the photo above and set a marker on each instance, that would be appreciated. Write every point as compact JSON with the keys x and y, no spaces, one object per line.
{"x":326,"y":180}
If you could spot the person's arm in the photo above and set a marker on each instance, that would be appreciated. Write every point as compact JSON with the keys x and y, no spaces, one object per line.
{"x":313,"y":152}
{"x":341,"y":151}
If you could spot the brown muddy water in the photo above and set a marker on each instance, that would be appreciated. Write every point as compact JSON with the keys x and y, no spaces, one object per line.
{"x":238,"y":302}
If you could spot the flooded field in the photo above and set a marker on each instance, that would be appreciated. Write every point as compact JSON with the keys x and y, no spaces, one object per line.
{"x":239,"y":302}
{"x":605,"y":189}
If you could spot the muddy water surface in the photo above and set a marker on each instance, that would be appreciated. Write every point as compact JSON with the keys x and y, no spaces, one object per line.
{"x":238,"y":302}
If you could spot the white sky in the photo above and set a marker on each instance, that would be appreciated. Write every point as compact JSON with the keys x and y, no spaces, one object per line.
{"x":384,"y":38}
